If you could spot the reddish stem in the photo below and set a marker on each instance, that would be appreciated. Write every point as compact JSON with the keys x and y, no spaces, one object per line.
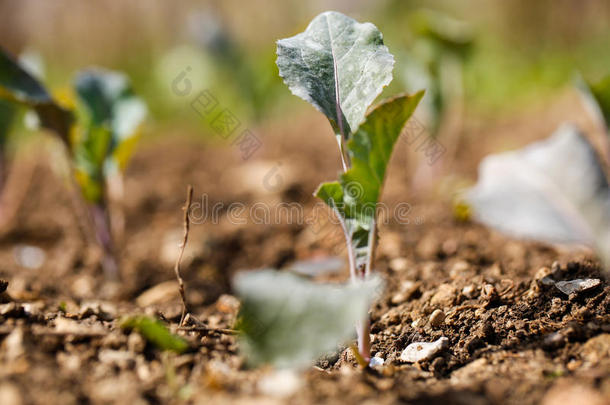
{"x":101,"y":223}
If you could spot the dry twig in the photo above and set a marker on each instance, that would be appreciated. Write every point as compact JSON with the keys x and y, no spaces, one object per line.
{"x":187,"y":207}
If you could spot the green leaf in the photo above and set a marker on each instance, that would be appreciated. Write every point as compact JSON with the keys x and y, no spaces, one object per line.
{"x":7,"y":115}
{"x":444,"y":31}
{"x":156,"y":333}
{"x":18,"y":86}
{"x":289,"y":321}
{"x":336,"y":53}
{"x":597,"y":97}
{"x":112,"y":116}
{"x":356,"y":195}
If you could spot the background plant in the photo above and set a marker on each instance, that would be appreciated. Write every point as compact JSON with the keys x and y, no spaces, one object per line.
{"x":99,"y":132}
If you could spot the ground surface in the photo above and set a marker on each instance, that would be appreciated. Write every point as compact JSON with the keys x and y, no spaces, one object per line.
{"x":514,"y":338}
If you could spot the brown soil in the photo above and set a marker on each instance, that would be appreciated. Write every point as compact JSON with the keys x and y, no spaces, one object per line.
{"x":514,"y":337}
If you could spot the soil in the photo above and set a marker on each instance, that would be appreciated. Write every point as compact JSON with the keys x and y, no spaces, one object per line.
{"x":514,"y":337}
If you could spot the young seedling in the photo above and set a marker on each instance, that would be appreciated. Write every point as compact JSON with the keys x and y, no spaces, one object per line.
{"x":109,"y":117}
{"x":99,"y":134}
{"x":553,"y":190}
{"x":340,"y":66}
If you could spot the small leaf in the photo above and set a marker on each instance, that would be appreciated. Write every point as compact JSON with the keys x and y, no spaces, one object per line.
{"x":289,"y":321}
{"x":20,"y":87}
{"x":553,"y":190}
{"x":112,"y":116}
{"x":356,"y":196}
{"x":156,"y":333}
{"x":336,"y":53}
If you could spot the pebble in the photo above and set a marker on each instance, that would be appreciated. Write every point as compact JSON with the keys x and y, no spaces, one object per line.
{"x":437,"y":318}
{"x":376,"y":362}
{"x":421,"y":351}
{"x":30,"y":257}
{"x":9,"y":394}
{"x":407,"y":289}
{"x":280,"y":384}
{"x":578,"y":285}
{"x":470,"y":291}
{"x":399,"y":264}
{"x":159,"y":294}
{"x":458,"y":269}
{"x":444,"y":296}
{"x":569,"y":393}
{"x":227,"y":304}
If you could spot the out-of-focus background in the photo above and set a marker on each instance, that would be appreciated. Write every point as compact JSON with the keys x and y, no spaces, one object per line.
{"x":523,"y":52}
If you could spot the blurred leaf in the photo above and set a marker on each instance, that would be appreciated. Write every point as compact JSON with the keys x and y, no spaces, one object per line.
{"x":451,"y":34}
{"x":156,"y":333}
{"x":553,"y":190}
{"x":356,"y":195}
{"x":597,"y":99}
{"x":289,"y":321}
{"x":18,"y":86}
{"x":112,"y":116}
{"x":7,"y":115}
{"x":336,"y":52}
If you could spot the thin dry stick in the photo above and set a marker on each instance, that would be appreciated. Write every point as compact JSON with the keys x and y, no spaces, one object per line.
{"x":187,"y":223}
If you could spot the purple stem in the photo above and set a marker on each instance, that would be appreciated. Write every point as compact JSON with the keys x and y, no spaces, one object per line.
{"x":101,"y":223}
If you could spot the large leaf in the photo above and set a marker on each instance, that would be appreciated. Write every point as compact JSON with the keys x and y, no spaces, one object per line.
{"x":597,"y":99}
{"x":112,"y":116}
{"x":336,"y":62}
{"x":289,"y":321}
{"x":553,"y":190}
{"x":354,"y":198}
{"x":20,"y":87}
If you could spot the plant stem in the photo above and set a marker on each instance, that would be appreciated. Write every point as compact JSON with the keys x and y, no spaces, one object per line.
{"x":364,"y":339}
{"x":101,"y":223}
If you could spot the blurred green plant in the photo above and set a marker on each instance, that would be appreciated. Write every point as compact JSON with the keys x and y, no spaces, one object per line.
{"x":99,"y":130}
{"x":438,"y":49}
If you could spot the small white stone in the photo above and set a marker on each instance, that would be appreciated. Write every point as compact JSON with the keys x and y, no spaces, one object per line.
{"x":578,"y":285}
{"x":280,"y":383}
{"x":420,"y":351}
{"x":376,"y":362}
{"x":30,"y":257}
{"x":437,"y":318}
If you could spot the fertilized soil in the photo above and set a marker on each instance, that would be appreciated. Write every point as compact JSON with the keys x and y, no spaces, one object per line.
{"x":514,"y":336}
